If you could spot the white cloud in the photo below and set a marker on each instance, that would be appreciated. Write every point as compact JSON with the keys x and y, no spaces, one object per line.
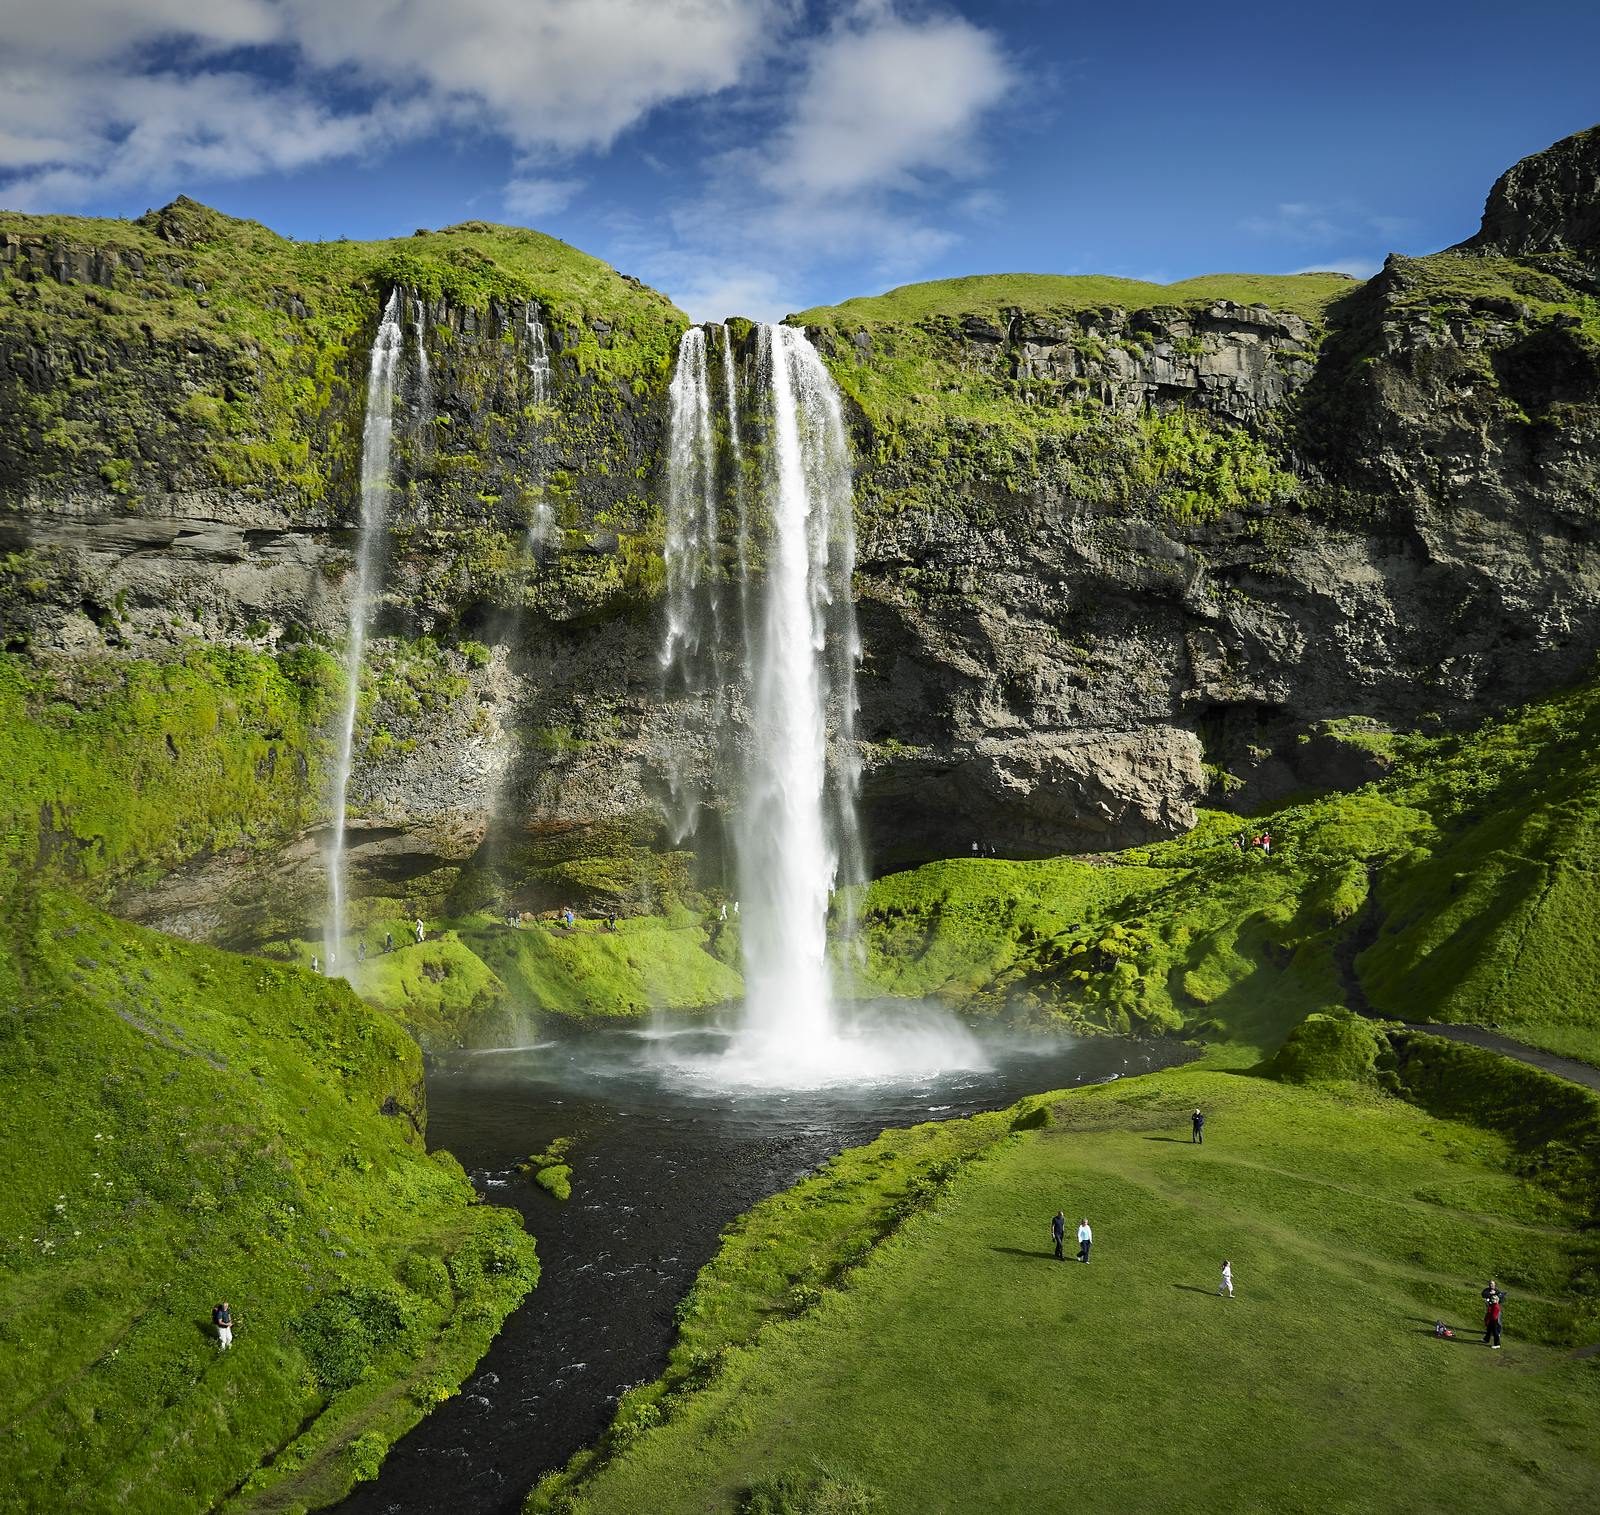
{"x":885,"y":112}
{"x":86,"y":108}
{"x":532,"y":195}
{"x":884,"y":102}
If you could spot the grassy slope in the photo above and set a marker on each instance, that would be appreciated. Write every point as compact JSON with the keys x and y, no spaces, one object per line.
{"x":183,"y":1125}
{"x":1460,"y":887}
{"x":965,"y":1370}
{"x":988,"y":295}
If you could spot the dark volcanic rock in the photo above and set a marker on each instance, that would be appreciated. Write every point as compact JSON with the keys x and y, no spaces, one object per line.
{"x":1547,"y":203}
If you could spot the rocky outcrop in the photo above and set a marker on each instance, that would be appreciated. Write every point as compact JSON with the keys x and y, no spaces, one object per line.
{"x":1547,"y":203}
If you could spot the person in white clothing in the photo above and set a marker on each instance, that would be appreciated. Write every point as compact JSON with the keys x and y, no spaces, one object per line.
{"x":421,"y":932}
{"x":1226,"y":1286}
{"x":1085,"y":1240}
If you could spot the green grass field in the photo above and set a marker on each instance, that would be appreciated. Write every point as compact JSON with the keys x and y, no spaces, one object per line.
{"x":181,"y":1126}
{"x":1307,"y":295}
{"x":962,"y":1369}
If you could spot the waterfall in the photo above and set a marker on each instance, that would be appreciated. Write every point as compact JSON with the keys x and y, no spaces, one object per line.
{"x":538,"y":354}
{"x":793,"y":655}
{"x":419,"y":327}
{"x":376,"y":437}
{"x":788,"y":853}
{"x":542,"y":528}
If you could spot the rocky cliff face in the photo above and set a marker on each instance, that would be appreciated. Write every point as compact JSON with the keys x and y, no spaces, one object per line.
{"x":1121,"y":551}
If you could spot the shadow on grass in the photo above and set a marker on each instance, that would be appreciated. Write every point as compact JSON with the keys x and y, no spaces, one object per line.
{"x":1182,"y":1141}
{"x":1193,"y":1289}
{"x":1044,"y":1256}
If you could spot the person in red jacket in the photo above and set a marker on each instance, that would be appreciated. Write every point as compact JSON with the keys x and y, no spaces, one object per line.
{"x":1491,"y":1315}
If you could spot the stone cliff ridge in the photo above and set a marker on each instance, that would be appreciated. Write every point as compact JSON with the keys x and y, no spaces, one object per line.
{"x":1123,"y":549}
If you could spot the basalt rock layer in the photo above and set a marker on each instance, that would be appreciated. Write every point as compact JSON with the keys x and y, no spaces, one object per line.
{"x":1122,"y":549}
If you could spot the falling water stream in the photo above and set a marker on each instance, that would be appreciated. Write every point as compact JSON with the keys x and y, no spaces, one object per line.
{"x":376,"y":438}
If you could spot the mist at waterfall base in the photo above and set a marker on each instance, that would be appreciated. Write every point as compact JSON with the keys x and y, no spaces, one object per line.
{"x":662,"y":1161}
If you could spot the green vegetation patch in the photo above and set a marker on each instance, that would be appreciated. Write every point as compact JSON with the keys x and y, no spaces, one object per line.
{"x":273,"y":336}
{"x":1307,"y":295}
{"x":961,"y":1357}
{"x":1457,"y":888}
{"x":185,"y":1126}
{"x":118,"y":769}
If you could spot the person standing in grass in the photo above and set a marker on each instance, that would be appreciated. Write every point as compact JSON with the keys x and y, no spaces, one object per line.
{"x":1226,"y":1286}
{"x":222,"y":1319}
{"x":1085,"y":1240}
{"x":1197,"y":1126}
{"x":1492,"y":1301}
{"x":1058,"y":1229}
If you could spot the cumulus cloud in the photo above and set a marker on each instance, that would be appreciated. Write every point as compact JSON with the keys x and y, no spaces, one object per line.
{"x":885,"y":112}
{"x":535,"y":195}
{"x":857,"y":117}
{"x":99,"y":95}
{"x":884,"y":101}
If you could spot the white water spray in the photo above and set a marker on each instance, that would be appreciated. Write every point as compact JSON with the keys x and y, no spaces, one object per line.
{"x":376,"y":439}
{"x":793,"y":647}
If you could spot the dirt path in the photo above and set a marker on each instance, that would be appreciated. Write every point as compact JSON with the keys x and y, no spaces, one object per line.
{"x":1568,"y":1068}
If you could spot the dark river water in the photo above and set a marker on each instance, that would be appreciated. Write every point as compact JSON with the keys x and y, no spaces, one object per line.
{"x":666,"y":1152}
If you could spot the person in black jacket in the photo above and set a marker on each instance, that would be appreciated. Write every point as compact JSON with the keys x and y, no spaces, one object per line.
{"x":1197,"y":1126}
{"x":1058,"y":1229}
{"x":222,"y":1319}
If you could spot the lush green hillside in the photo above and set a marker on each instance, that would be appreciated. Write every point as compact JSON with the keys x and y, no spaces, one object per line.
{"x":959,"y":1367}
{"x":283,"y":327}
{"x":988,"y":296}
{"x":1459,"y":887}
{"x":183,"y":1126}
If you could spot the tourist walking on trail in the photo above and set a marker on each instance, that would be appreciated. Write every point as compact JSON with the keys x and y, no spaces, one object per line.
{"x":388,"y":941}
{"x":1197,"y":1126}
{"x":1058,"y":1229}
{"x":1085,"y":1240}
{"x":1226,"y":1286}
{"x":1492,"y":1301}
{"x":421,"y":932}
{"x":222,"y":1319}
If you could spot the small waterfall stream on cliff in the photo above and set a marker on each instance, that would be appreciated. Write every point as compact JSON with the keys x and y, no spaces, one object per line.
{"x":769,"y":661}
{"x":541,"y":529}
{"x":376,"y":438}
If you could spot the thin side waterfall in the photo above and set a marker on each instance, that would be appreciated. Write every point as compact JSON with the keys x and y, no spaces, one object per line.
{"x":542,"y":528}
{"x":688,"y":549}
{"x":376,"y":439}
{"x":538,"y":354}
{"x":419,"y":328}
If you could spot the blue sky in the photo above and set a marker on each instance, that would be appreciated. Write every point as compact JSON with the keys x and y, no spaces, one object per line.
{"x":760,"y":156}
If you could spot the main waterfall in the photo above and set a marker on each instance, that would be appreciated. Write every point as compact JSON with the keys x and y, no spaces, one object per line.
{"x":376,"y":438}
{"x":800,"y":667}
{"x":761,"y":643}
